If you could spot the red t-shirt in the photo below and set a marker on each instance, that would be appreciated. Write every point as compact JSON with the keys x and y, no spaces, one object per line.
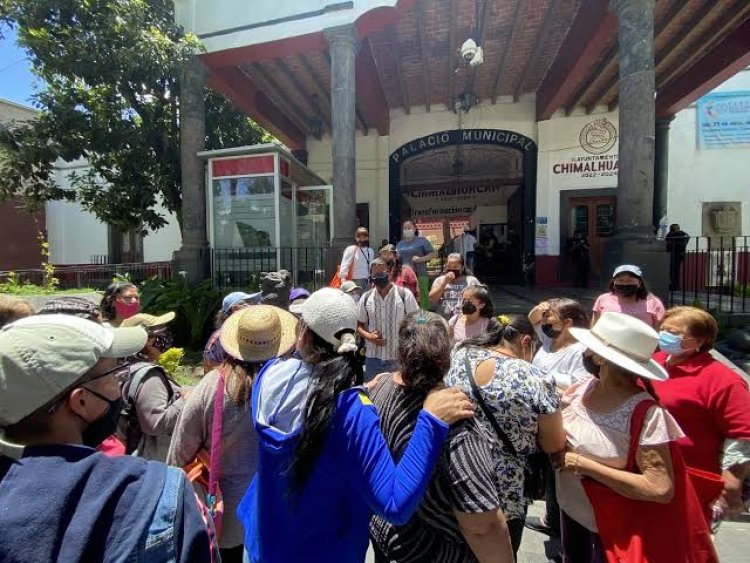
{"x":710,"y":402}
{"x":407,"y":279}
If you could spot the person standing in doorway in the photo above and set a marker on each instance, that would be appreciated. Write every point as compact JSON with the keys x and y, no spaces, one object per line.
{"x":579,"y":253}
{"x":465,"y":244}
{"x":379,"y":316}
{"x":416,"y":251}
{"x":355,"y":263}
{"x":677,"y":241}
{"x":447,"y":290}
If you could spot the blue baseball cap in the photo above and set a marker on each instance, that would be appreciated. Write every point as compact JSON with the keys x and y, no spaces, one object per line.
{"x":237,"y":297}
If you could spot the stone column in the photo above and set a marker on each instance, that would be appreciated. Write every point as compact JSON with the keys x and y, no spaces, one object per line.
{"x":192,"y":257}
{"x":343,"y":48}
{"x":634,"y":240}
{"x":661,"y":168}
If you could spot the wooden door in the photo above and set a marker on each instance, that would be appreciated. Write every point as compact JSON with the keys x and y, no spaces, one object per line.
{"x":595,"y":216}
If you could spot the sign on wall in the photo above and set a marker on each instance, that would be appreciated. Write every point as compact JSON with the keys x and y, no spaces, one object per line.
{"x":594,"y":159}
{"x":453,"y":201}
{"x":724,"y":120}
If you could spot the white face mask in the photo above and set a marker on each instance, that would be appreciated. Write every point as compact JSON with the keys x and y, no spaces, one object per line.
{"x":408,"y":233}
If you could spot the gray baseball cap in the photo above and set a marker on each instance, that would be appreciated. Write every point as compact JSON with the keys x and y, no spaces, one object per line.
{"x":42,"y":356}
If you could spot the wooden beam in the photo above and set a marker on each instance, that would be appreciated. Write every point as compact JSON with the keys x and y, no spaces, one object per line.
{"x":315,"y":109}
{"x":360,"y":120}
{"x":396,"y":56}
{"x":370,"y":90}
{"x":538,"y":45}
{"x":423,"y":53}
{"x":508,"y":42}
{"x":586,"y":39}
{"x":723,"y":61}
{"x":451,"y":78}
{"x":608,"y":94}
{"x":737,"y":13}
{"x":266,"y":82}
{"x":244,"y":94}
{"x":603,"y":94}
{"x":480,"y":41}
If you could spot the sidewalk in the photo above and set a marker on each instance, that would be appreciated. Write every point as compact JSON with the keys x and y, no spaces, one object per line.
{"x":519,"y":299}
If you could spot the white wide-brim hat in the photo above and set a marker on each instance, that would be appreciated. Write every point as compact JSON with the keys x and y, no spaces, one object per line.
{"x":625,"y":341}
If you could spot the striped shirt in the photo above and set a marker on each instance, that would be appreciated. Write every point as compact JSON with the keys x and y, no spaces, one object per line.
{"x":384,"y":315}
{"x":464,"y":480}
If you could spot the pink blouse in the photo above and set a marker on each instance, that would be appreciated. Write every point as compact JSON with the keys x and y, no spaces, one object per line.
{"x":649,"y":310}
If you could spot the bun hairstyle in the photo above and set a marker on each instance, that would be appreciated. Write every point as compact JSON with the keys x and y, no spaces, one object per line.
{"x":335,"y":369}
{"x":509,"y":329}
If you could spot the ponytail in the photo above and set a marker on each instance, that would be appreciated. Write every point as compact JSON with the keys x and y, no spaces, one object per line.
{"x":334,"y":371}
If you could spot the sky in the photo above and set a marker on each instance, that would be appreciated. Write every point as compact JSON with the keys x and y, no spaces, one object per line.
{"x":16,"y":79}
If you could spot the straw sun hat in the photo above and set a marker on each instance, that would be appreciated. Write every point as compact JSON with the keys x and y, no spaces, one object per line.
{"x":258,"y":333}
{"x":624,"y":341}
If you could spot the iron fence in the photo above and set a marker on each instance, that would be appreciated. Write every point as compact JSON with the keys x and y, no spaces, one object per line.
{"x":711,"y":273}
{"x":97,"y":276}
{"x":241,"y":268}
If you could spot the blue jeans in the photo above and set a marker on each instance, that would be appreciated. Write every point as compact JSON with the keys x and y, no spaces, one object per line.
{"x":374,"y":366}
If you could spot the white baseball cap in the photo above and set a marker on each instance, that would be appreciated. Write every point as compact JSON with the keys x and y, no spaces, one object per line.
{"x":330,"y":312}
{"x":628,"y":269}
{"x":44,"y":355}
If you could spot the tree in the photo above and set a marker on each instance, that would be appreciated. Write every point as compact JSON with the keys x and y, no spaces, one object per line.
{"x":111,"y":96}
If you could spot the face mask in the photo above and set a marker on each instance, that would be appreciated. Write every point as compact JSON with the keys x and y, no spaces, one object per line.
{"x":104,"y":426}
{"x":363,"y":242}
{"x":670,"y":343}
{"x":590,"y":366}
{"x":468,"y":308}
{"x":625,"y":290}
{"x":356,"y":297}
{"x":389,"y":263}
{"x":550,"y":332}
{"x":162,"y":340}
{"x":456,"y":273}
{"x":127,"y":310}
{"x":408,"y":233}
{"x":380,"y":280}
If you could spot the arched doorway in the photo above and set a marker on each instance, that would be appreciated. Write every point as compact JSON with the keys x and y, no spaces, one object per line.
{"x":482,"y":177}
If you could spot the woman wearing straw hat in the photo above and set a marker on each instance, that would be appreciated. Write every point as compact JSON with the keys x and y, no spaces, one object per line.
{"x":249,"y":337}
{"x":324,"y":466}
{"x":622,"y":476}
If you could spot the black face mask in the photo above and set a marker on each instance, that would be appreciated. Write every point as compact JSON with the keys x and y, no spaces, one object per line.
{"x":590,"y":366}
{"x":162,"y":341}
{"x":104,"y":426}
{"x":365,"y":242}
{"x":468,"y":308}
{"x":456,"y":273}
{"x":625,"y":290}
{"x":380,"y":280}
{"x":550,"y":332}
{"x":390,"y":263}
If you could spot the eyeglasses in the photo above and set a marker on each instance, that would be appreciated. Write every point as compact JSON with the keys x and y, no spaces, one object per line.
{"x":121,"y":373}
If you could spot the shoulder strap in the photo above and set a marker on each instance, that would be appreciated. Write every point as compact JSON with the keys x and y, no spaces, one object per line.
{"x":216,"y":427}
{"x":401,"y":293}
{"x":637,"y":420}
{"x":142,"y":369}
{"x":486,"y":410}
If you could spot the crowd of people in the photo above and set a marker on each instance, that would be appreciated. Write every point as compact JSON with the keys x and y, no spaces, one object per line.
{"x":388,"y":412}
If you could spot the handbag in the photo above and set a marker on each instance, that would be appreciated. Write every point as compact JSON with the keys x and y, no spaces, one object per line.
{"x":634,"y":530}
{"x":336,"y":280}
{"x":203,"y":471}
{"x":534,"y":475}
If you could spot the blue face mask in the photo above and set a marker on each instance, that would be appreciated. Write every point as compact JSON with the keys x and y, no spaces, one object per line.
{"x":670,"y":343}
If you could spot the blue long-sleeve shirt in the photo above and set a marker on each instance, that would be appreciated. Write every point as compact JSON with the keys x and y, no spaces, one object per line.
{"x":354,"y":477}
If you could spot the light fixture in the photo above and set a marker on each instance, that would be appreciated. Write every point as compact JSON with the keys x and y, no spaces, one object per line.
{"x":464,"y":102}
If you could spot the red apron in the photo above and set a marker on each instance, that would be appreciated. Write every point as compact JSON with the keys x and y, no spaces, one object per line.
{"x":636,"y":531}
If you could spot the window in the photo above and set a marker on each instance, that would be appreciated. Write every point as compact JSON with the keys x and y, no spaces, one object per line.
{"x":605,"y":220}
{"x":244,"y":213}
{"x":580,"y":219}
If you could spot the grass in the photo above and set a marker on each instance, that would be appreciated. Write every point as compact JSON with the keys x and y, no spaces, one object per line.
{"x":31,"y":290}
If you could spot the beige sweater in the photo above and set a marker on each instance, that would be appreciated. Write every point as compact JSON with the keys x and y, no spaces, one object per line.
{"x":239,"y":448}
{"x":157,"y":416}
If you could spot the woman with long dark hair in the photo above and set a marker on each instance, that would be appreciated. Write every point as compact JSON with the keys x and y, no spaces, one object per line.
{"x":477,"y":314}
{"x":324,"y":467}
{"x":494,"y":368}
{"x":459,"y":519}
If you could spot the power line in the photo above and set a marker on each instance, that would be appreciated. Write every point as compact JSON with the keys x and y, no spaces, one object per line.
{"x":13,"y":64}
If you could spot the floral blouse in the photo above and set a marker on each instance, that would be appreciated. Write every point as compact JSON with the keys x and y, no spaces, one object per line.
{"x":517,"y":395}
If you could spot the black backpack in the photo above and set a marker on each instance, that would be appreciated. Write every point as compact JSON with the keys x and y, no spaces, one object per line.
{"x":128,"y":427}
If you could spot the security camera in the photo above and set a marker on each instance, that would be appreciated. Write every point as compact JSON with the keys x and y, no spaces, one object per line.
{"x":468,"y":50}
{"x":478,"y":57}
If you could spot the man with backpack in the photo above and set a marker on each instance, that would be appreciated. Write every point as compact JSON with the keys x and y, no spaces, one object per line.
{"x":381,"y":310}
{"x":61,"y":500}
{"x":153,"y":401}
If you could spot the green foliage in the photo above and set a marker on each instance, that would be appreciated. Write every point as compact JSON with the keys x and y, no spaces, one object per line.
{"x":741,"y":290}
{"x":171,"y":360}
{"x":195,"y":306}
{"x":50,"y":281}
{"x":111,"y":95}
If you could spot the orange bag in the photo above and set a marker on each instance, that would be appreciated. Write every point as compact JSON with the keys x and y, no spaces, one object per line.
{"x":336,"y":280}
